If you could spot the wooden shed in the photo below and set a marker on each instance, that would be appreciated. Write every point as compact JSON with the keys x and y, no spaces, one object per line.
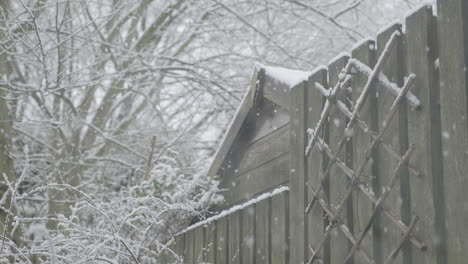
{"x":253,"y":156}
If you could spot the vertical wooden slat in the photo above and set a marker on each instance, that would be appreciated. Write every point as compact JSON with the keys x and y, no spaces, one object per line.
{"x":424,"y":132}
{"x":316,"y":215}
{"x":453,"y":56}
{"x":338,"y":181}
{"x":189,"y":247}
{"x":365,"y":53}
{"x":262,"y":231}
{"x":234,"y":237}
{"x":298,"y":176}
{"x":248,"y":235}
{"x":222,"y":238}
{"x":198,"y":242}
{"x":279,"y":229}
{"x":209,"y":246}
{"x":396,"y":137}
{"x":180,"y":247}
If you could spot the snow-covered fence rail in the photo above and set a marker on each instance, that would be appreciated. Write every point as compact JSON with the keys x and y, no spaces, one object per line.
{"x":378,"y":155}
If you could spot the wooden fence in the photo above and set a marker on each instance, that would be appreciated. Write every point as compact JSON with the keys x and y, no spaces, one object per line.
{"x":378,"y":172}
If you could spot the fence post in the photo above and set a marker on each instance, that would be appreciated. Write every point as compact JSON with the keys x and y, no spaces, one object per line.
{"x":298,"y":173}
{"x":453,"y":60}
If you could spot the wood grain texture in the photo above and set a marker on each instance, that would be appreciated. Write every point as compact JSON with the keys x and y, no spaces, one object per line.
{"x":209,"y":246}
{"x":222,"y":241}
{"x":396,"y":137}
{"x":189,"y":247}
{"x":453,"y":56}
{"x":263,"y":232}
{"x":427,"y":194}
{"x":179,"y":248}
{"x":365,"y":53}
{"x":280,"y":229}
{"x":198,"y":242}
{"x":338,"y":181}
{"x":259,"y":152}
{"x":235,"y":229}
{"x":298,"y":173}
{"x":259,"y":180}
{"x":316,"y":224}
{"x":248,"y":235}
{"x":264,"y":119}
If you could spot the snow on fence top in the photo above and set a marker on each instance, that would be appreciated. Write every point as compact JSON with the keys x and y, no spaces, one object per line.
{"x":287,"y":76}
{"x":235,"y":208}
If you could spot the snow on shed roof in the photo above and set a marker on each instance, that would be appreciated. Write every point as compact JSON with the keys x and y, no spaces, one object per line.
{"x":287,"y":76}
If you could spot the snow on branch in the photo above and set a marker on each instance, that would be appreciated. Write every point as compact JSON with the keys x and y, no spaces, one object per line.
{"x":383,"y":81}
{"x":236,"y":208}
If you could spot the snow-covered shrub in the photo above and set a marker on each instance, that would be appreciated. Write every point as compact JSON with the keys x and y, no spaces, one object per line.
{"x":132,"y":225}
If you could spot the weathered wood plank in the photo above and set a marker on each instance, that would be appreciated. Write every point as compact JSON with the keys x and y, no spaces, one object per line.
{"x":263,"y":231}
{"x":316,"y":225}
{"x":396,"y":137}
{"x":222,"y":241}
{"x":258,"y":153}
{"x":280,"y":229}
{"x":235,"y":229}
{"x":276,"y":92}
{"x":424,"y":131}
{"x":298,"y":174}
{"x":267,"y":117}
{"x":248,"y":235}
{"x":264,"y":118}
{"x":189,"y":247}
{"x":338,"y":182}
{"x":365,"y":53}
{"x":198,"y":242}
{"x":247,"y":103}
{"x":261,"y":179}
{"x":453,"y":56}
{"x":209,"y":246}
{"x":180,"y":248}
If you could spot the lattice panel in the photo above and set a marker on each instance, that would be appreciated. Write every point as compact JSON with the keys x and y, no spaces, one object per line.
{"x":338,"y":104}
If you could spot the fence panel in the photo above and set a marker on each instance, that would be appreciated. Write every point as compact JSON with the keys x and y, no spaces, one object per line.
{"x":298,"y":176}
{"x":263,"y":231}
{"x":453,"y":57}
{"x":338,"y":181}
{"x":222,"y":239}
{"x":235,"y":229}
{"x":209,"y":247}
{"x":396,"y":138}
{"x":198,"y":242}
{"x":248,"y":235}
{"x":424,"y":132}
{"x":316,"y":215}
{"x":280,"y":229}
{"x":365,"y":53}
